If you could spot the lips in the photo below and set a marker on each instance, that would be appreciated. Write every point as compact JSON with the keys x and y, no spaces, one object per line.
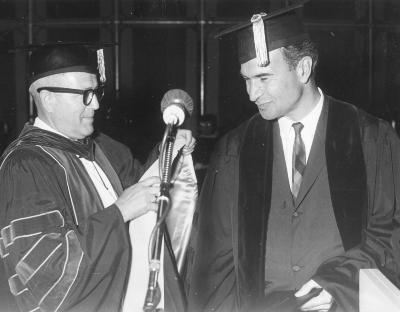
{"x":263,"y":105}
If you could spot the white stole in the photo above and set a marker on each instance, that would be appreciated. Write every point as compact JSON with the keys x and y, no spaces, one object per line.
{"x":183,"y":195}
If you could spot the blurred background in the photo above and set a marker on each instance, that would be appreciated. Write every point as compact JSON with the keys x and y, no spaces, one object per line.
{"x":157,"y":45}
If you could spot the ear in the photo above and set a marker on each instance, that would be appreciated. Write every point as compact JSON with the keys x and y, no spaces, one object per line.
{"x":47,"y":100}
{"x":304,"y":69}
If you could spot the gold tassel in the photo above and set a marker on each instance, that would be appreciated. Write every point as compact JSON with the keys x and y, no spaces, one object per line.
{"x":260,"y":42}
{"x":101,"y":66}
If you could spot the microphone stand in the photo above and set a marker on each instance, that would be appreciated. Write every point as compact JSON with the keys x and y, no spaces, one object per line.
{"x":153,"y":294}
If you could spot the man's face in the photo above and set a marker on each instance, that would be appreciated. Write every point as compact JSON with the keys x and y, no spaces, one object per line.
{"x":70,"y":116}
{"x":275,"y":89}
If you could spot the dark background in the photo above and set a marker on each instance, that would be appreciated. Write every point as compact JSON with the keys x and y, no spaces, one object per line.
{"x":165,"y":44}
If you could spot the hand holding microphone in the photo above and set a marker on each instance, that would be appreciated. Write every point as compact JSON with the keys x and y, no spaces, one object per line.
{"x":139,"y":198}
{"x":184,"y":139}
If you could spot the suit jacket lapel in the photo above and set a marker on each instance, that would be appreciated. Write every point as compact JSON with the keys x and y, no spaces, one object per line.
{"x":316,"y":159}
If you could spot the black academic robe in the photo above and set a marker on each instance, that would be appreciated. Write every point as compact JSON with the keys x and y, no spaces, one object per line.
{"x":62,"y":250}
{"x":226,"y":269}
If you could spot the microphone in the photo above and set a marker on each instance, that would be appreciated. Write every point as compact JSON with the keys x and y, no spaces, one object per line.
{"x":175,"y":104}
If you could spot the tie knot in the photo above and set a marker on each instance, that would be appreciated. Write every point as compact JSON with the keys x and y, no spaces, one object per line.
{"x":297,"y":126}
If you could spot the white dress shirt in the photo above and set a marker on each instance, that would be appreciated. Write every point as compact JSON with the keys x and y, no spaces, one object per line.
{"x":287,"y":133}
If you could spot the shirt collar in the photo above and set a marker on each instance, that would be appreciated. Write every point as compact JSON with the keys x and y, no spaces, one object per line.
{"x":83,"y":148}
{"x":309,"y":121}
{"x":44,"y":126}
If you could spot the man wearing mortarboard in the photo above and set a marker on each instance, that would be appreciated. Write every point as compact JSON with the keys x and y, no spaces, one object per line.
{"x":67,"y":195}
{"x":298,"y":198}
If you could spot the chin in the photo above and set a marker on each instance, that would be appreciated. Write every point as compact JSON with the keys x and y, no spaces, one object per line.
{"x":86,"y":132}
{"x":267,"y":116}
{"x":88,"y":127}
{"x":89,"y":133}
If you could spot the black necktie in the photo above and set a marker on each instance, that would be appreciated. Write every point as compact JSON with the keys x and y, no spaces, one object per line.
{"x":298,"y":159}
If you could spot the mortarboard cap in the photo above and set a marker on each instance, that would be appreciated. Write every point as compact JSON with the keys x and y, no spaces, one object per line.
{"x":61,"y":57}
{"x":267,"y":32}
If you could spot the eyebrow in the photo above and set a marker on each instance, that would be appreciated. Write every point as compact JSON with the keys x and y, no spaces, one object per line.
{"x":260,"y":75}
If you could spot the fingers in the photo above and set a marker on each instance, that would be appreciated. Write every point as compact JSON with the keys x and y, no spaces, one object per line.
{"x":153,"y":203}
{"x":322,"y":302}
{"x":184,"y":134}
{"x":153,"y":207}
{"x":139,"y":198}
{"x":153,"y":192}
{"x":151,"y":181}
{"x":185,"y":138}
{"x":306,"y":288}
{"x":153,"y":197}
{"x":189,"y":148}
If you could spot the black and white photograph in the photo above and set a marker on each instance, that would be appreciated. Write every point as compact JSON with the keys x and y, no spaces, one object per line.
{"x":200,"y":155}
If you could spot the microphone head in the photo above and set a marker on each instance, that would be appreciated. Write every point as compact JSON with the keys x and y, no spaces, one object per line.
{"x":175,"y":104}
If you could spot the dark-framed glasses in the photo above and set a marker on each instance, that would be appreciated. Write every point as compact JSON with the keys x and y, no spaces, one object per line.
{"x":87,"y":94}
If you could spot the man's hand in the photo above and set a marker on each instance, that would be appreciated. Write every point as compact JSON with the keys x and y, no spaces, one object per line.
{"x":184,"y":139}
{"x":321,"y":303}
{"x":139,"y":198}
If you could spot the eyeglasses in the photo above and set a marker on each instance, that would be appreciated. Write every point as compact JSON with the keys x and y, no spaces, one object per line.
{"x":87,"y":94}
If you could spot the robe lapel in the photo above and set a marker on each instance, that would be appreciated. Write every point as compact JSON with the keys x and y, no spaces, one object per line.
{"x":316,"y":159}
{"x":338,"y":132}
{"x":255,"y":180}
{"x":346,"y":170}
{"x":112,"y":176}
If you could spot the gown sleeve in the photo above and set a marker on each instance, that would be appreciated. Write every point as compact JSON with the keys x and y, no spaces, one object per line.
{"x":339,"y":275}
{"x":51,"y":264}
{"x":210,"y":281}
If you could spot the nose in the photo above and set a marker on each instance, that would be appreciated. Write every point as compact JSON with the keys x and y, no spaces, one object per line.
{"x":94,"y":104}
{"x":253,"y":89}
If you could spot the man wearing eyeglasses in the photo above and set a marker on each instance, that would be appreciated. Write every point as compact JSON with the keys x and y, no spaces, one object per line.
{"x":61,"y":107}
{"x":66,"y":195}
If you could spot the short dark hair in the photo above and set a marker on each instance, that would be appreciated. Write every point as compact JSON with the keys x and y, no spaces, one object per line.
{"x":294,"y":53}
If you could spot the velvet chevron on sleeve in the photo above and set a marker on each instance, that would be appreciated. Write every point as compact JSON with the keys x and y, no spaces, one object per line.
{"x":62,"y":250}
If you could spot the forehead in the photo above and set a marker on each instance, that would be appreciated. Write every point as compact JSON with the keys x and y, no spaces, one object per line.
{"x":78,"y":80}
{"x":277,"y":63}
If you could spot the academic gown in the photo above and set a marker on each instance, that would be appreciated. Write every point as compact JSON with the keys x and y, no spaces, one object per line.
{"x":227,"y":251}
{"x":61,"y":248}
